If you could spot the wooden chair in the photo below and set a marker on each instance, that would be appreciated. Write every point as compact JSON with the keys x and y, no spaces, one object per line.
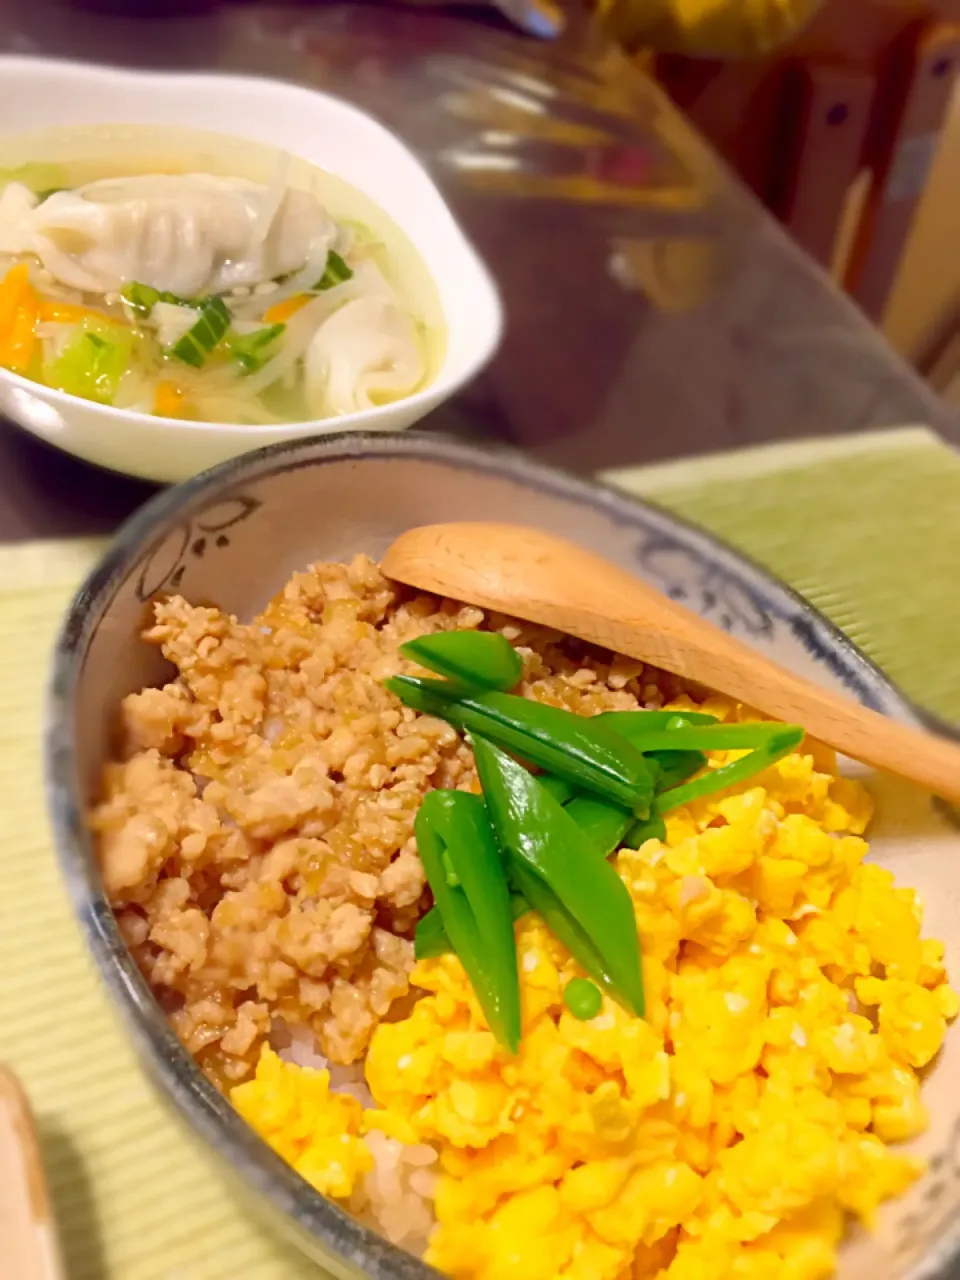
{"x":837,"y":132}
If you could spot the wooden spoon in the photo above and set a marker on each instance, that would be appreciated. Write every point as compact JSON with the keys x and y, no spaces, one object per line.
{"x":28,"y":1237}
{"x":542,"y":578}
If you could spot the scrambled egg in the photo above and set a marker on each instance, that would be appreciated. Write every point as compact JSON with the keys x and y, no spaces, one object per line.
{"x":316,"y":1130}
{"x":791,"y":1002}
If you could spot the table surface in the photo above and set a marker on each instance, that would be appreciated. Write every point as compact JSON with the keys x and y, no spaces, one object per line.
{"x":653,"y":309}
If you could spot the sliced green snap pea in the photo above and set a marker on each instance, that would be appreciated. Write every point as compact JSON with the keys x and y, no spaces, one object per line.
{"x":780,"y":743}
{"x":477,"y":659}
{"x":650,"y":829}
{"x":574,"y":747}
{"x":452,"y":829}
{"x":531,"y":828}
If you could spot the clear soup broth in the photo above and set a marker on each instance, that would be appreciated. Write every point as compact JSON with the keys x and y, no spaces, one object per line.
{"x":197,"y":276}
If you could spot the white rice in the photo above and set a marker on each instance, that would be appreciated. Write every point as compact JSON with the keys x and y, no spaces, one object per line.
{"x":396,"y":1196}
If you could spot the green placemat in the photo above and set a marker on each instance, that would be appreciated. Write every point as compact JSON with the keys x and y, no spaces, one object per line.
{"x":869,"y":529}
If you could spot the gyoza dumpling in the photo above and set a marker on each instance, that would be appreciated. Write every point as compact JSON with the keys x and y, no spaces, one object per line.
{"x":191,"y":233}
{"x":367,"y":350}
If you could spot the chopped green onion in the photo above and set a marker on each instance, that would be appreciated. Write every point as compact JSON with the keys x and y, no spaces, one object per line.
{"x":201,"y":338}
{"x":582,"y":998}
{"x":250,"y":349}
{"x":142,"y":298}
{"x":336,"y":272}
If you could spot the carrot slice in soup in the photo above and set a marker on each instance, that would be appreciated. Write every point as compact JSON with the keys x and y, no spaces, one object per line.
{"x":18,"y":318}
{"x":13,"y":287}
{"x":282,"y":311}
{"x":169,"y":401}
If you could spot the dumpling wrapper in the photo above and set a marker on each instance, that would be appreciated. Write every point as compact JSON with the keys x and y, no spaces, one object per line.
{"x":189,"y":234}
{"x":367,"y":351}
{"x":17,"y":204}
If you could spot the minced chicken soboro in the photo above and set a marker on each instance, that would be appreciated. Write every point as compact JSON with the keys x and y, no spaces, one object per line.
{"x":256,"y":832}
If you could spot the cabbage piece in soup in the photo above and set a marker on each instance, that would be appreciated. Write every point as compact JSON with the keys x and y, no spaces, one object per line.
{"x":203,"y":296}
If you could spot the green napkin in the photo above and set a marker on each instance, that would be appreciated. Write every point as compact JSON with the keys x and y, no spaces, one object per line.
{"x":867,"y":528}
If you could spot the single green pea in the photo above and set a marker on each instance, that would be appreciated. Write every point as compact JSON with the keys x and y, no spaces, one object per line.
{"x":582,"y":998}
{"x":453,"y":880}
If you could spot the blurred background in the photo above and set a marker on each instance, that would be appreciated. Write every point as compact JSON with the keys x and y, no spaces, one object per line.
{"x":842,"y":116}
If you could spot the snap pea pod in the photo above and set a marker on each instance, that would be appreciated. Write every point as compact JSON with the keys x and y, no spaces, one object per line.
{"x":535,"y":831}
{"x":650,"y":829}
{"x":778,"y":743}
{"x":707,"y":737}
{"x":678,"y":746}
{"x":560,"y":788}
{"x":675,"y":767}
{"x":565,"y":929}
{"x":633,"y":724}
{"x":572,"y":746}
{"x":430,"y":938}
{"x":477,"y":659}
{"x":603,"y":823}
{"x":477,"y":916}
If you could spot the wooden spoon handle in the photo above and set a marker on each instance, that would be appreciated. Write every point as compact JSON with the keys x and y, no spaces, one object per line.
{"x":544,"y":579}
{"x":28,"y":1241}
